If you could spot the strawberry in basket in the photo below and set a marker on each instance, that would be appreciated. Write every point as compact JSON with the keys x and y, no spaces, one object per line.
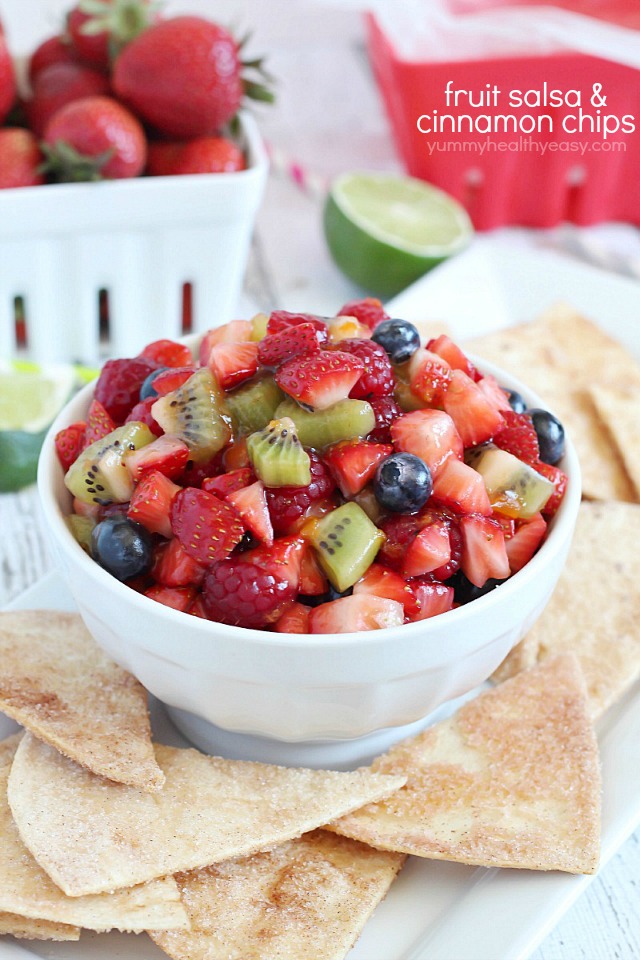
{"x":7,"y":78}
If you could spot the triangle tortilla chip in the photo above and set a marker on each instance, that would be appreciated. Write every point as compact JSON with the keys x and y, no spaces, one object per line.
{"x":210,"y":809}
{"x":619,"y":408}
{"x":308,"y":898}
{"x":57,"y":682}
{"x":511,"y":780}
{"x":594,"y":610}
{"x":28,"y":891}
{"x":24,"y":928}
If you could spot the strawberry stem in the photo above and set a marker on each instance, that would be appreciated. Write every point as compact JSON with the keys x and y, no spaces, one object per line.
{"x":64,"y":164}
{"x":122,"y":20}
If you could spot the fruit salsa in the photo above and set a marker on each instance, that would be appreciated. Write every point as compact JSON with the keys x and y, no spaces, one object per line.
{"x":310,"y":475}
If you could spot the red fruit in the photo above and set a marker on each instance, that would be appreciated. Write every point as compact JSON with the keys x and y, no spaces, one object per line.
{"x":432,"y":599}
{"x":313,"y":582}
{"x":430,"y":435}
{"x":295,"y":619}
{"x":353,"y":614}
{"x":168,"y":353}
{"x":288,"y":504}
{"x":429,"y":550}
{"x":494,"y":392}
{"x":50,"y":51}
{"x":121,"y":21}
{"x":290,"y":342}
{"x":429,"y":376}
{"x":251,"y":505}
{"x":353,"y":463}
{"x":386,"y":411}
{"x":559,"y":480}
{"x":169,"y":380}
{"x":236,"y":331}
{"x":369,"y":311}
{"x":281,"y":319}
{"x":69,"y":443}
{"x":151,"y":501}
{"x":182,"y":76}
{"x":173,"y":567}
{"x":142,"y":412}
{"x":484,"y":554}
{"x":380,"y":581}
{"x":7,"y":79}
{"x":455,"y":541}
{"x":518,"y":437}
{"x":400,"y":531}
{"x":475,"y":417}
{"x":461,"y":488}
{"x":522,"y":545}
{"x":207,"y":528}
{"x":118,"y":386}
{"x":56,"y":86}
{"x":321,"y":379}
{"x":167,"y":454}
{"x":444,"y":347}
{"x":227,"y":483}
{"x":254,"y":589}
{"x":99,"y":423}
{"x":377,"y":380}
{"x":20,"y":159}
{"x":108,"y":140}
{"x":179,"y":598}
{"x":236,"y":456}
{"x":197,"y":608}
{"x":201,"y":155}
{"x":233,"y":363}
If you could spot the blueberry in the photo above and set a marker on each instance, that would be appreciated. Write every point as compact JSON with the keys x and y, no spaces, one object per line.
{"x":550,"y":434}
{"x":402,"y":483}
{"x":398,"y":337}
{"x":516,"y":401}
{"x":464,"y":591}
{"x":147,"y":389}
{"x":331,"y":594}
{"x":122,"y":547}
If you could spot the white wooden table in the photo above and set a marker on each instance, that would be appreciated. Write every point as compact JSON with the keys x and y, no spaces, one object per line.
{"x":328,"y":119}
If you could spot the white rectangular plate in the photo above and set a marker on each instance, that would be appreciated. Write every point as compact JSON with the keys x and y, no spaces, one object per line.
{"x":437,"y":911}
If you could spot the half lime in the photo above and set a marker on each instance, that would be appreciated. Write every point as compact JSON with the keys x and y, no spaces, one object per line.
{"x":385,"y":231}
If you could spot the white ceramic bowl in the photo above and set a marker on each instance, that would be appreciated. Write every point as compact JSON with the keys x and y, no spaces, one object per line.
{"x":318,"y":700}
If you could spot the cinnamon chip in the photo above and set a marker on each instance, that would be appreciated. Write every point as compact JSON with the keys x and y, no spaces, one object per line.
{"x":23,"y":928}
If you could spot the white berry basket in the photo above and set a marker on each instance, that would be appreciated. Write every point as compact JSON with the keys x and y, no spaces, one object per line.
{"x":68,"y":250}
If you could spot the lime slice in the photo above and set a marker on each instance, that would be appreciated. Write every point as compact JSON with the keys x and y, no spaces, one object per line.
{"x":385,"y":231}
{"x":30,"y":397}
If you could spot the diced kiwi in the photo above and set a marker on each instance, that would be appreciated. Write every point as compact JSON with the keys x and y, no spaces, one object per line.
{"x":197,"y":413}
{"x":345,"y":420}
{"x":346,"y":542}
{"x":100,"y":474}
{"x":406,"y":399}
{"x":253,"y":406}
{"x":515,"y":489}
{"x":259,"y":326}
{"x":81,"y":528}
{"x":277,"y":456}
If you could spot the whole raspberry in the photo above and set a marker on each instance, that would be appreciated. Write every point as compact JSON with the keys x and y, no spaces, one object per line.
{"x":237,"y":592}
{"x":118,"y":386}
{"x":386,"y":410}
{"x":368,"y":311}
{"x":378,"y":379}
{"x":288,"y":504}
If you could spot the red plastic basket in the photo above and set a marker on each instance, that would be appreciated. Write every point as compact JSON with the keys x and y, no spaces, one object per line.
{"x":518,"y":185}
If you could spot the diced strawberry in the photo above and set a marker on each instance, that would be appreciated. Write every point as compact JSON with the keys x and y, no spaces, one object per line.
{"x":179,"y":598}
{"x":118,"y":386}
{"x":432,"y":599}
{"x":508,"y":524}
{"x":518,"y":437}
{"x":461,"y":488}
{"x":353,"y":463}
{"x":455,"y":541}
{"x":380,"y":581}
{"x":236,"y":331}
{"x":430,"y":435}
{"x":295,"y":619}
{"x":284,"y":558}
{"x":352,"y":614}
{"x":400,"y":531}
{"x":207,"y":528}
{"x":142,"y":413}
{"x":321,"y":379}
{"x":167,"y":454}
{"x":484,"y":554}
{"x":169,"y":380}
{"x":429,"y":376}
{"x":168,"y":353}
{"x":430,"y":549}
{"x":227,"y":483}
{"x":69,"y":443}
{"x":233,"y":363}
{"x":281,"y":319}
{"x":385,"y":410}
{"x":522,"y":544}
{"x":197,"y":608}
{"x":444,"y":347}
{"x":151,"y":500}
{"x":368,"y":311}
{"x":251,"y":505}
{"x":475,"y":417}
{"x":313,"y":582}
{"x":559,"y":479}
{"x":290,"y":342}
{"x":173,"y":567}
{"x":494,"y":392}
{"x":99,"y":423}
